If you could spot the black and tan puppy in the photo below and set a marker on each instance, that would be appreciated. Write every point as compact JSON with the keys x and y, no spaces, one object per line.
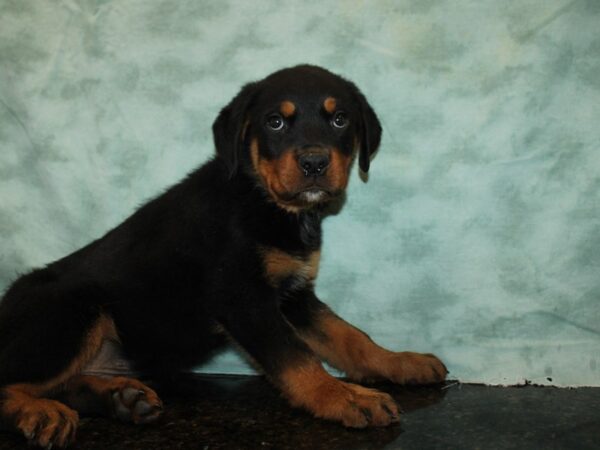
{"x":230,"y":254}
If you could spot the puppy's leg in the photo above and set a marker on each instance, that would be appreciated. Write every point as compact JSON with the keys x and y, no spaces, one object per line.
{"x":28,"y":407}
{"x":349,"y":349}
{"x":306,"y":384}
{"x":126,"y":399}
{"x":48,"y":332}
{"x":260,"y":329}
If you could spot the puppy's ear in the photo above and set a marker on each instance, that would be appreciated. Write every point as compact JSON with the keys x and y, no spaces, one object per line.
{"x":230,"y":126}
{"x":369,"y":132}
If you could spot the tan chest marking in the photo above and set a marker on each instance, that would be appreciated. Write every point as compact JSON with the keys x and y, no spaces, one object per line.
{"x":280,"y":265}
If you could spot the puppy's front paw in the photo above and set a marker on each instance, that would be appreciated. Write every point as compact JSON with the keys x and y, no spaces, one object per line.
{"x":415,"y":368}
{"x":329,"y":398}
{"x":356,"y":406}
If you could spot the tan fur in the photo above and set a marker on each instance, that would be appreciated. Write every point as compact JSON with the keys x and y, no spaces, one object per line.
{"x":282,"y":175}
{"x":278,"y":176}
{"x":345,"y":347}
{"x":40,"y":419}
{"x":254,"y":156}
{"x":339,"y":169}
{"x":287,"y":108}
{"x":309,"y":386}
{"x":352,"y":351}
{"x":329,"y":105}
{"x":280,"y":265}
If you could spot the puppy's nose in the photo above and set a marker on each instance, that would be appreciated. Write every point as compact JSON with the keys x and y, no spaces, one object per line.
{"x":313,"y":164}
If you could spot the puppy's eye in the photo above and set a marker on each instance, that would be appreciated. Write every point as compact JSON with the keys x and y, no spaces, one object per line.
{"x":275,"y":122}
{"x":340,"y":119}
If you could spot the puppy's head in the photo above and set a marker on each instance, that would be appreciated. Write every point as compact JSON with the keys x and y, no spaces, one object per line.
{"x":298,"y":132}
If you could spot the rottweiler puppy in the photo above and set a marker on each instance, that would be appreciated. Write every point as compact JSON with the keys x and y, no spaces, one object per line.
{"x":227,"y":256}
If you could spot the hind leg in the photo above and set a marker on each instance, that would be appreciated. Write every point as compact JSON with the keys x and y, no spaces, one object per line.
{"x":126,"y":399}
{"x":29,"y":407}
{"x":49,"y":331}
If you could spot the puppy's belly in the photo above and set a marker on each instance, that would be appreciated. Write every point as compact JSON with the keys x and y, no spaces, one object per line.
{"x":109,"y":361}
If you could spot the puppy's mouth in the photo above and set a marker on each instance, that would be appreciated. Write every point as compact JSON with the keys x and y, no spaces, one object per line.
{"x":309,"y":196}
{"x":314,"y":195}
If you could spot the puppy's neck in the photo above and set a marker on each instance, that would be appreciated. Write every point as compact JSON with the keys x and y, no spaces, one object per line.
{"x":309,"y":223}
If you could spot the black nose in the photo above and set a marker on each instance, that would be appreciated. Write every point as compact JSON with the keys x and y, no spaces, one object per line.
{"x":313,"y":164}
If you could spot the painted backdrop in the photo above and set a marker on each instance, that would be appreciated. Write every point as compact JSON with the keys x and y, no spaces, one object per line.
{"x":477,"y":236}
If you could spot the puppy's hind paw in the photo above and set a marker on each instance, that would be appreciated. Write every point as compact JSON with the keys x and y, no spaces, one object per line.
{"x":135,"y":402}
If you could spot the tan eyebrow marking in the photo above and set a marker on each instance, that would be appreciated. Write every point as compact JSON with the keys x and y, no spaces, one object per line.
{"x":287,"y":108}
{"x":329,"y":104}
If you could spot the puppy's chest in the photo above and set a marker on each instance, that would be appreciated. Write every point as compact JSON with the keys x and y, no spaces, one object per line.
{"x":289,"y":271}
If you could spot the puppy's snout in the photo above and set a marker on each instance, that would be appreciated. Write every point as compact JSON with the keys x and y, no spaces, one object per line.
{"x":313,"y":164}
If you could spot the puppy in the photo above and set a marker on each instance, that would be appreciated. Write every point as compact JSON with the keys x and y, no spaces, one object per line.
{"x":228,"y":255}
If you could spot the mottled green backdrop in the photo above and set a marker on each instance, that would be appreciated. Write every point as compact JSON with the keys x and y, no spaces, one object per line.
{"x":477,"y":236}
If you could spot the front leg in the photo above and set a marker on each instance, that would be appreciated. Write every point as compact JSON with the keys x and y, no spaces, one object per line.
{"x":350,"y":350}
{"x":259,"y":328}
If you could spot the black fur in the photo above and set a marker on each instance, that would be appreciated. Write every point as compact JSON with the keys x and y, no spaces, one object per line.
{"x":228,"y":128}
{"x":187,"y":265}
{"x":370,"y":132}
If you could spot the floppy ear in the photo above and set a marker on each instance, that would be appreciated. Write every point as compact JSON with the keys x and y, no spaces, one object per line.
{"x":230,"y":126}
{"x":369,"y":132}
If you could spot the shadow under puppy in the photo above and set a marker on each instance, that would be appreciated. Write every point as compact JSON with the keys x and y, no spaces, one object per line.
{"x":230,"y":254}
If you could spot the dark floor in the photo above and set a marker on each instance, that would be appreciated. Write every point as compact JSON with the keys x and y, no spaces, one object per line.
{"x":229,"y":412}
